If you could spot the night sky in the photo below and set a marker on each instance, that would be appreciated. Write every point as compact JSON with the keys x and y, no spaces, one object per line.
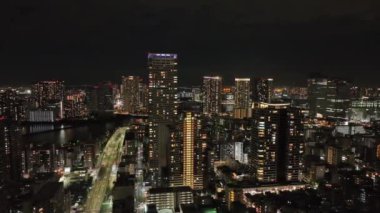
{"x":87,"y":41}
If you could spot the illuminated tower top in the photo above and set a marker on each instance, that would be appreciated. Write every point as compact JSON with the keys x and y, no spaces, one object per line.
{"x":163,"y":85}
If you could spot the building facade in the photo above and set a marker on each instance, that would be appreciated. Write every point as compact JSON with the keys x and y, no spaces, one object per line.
{"x":242,"y":98}
{"x":212,"y":91}
{"x":162,"y":108}
{"x":262,"y":90}
{"x":277,"y":143}
{"x":131,"y":94}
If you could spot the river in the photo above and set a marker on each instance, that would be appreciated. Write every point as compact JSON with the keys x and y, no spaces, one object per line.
{"x":60,"y":136}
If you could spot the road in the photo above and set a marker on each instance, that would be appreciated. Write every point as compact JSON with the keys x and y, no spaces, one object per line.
{"x":105,"y":177}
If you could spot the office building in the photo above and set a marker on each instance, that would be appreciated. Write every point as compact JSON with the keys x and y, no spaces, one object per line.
{"x":277,"y":143}
{"x":242,"y":98}
{"x":212,"y":90}
{"x":317,"y":93}
{"x":101,"y":98}
{"x":342,"y":100}
{"x":328,"y":97}
{"x":364,"y":110}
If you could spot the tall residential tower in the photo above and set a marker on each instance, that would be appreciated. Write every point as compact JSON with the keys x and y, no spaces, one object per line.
{"x":277,"y":143}
{"x":262,"y":90}
{"x":242,"y":107}
{"x":131,"y":94}
{"x":212,"y":90}
{"x":162,"y":108}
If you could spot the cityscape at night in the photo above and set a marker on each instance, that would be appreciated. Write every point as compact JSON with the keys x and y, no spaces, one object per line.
{"x":190,"y":107}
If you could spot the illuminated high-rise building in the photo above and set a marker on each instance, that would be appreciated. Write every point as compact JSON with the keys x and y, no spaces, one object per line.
{"x":10,"y":151}
{"x":194,"y":147}
{"x":131,"y":94}
{"x":144,"y":93}
{"x":12,"y":105}
{"x":318,"y":93}
{"x":228,"y":100}
{"x":187,"y":156}
{"x":49,"y":95}
{"x":277,"y":143}
{"x":162,"y":108}
{"x":262,"y":90}
{"x":48,"y":92}
{"x":242,"y":98}
{"x":175,"y":156}
{"x":75,"y":104}
{"x":212,"y":91}
{"x":189,"y":134}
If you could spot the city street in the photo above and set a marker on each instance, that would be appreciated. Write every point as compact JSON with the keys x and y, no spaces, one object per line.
{"x":104,"y":179}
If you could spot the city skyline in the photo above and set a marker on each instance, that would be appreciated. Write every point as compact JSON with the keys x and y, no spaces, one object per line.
{"x":199,"y":106}
{"x":144,"y":78}
{"x":165,"y":147}
{"x":184,"y":81}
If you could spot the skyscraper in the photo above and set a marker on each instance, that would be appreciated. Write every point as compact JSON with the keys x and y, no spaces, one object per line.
{"x":162,"y":108}
{"x":12,"y":105}
{"x":10,"y":151}
{"x":262,"y":90}
{"x":189,"y":134}
{"x":328,"y":97}
{"x":101,"y":99}
{"x":317,"y":95}
{"x":228,"y":100}
{"x":75,"y":104}
{"x":277,"y":143}
{"x":48,"y":92}
{"x":48,"y":95}
{"x":242,"y":98}
{"x":131,"y":94}
{"x":187,"y":156}
{"x":163,"y":85}
{"x":144,"y":92}
{"x":212,"y":90}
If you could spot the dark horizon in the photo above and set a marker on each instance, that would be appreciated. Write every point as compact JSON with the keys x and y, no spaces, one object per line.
{"x":85,"y":42}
